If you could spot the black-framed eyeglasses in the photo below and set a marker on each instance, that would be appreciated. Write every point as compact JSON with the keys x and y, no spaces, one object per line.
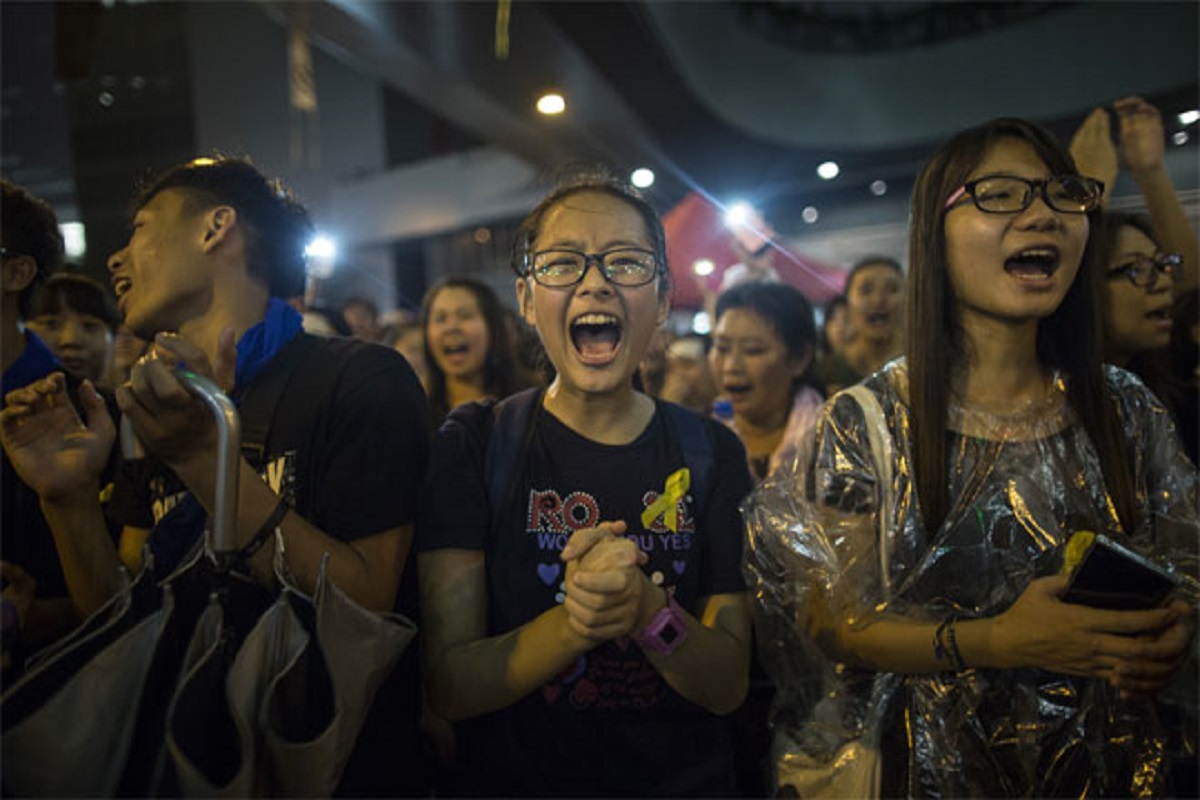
{"x":1008,"y":194}
{"x":1143,"y":271}
{"x":562,"y":267}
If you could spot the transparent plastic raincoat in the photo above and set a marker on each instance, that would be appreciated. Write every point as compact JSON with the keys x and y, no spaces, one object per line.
{"x":1019,"y":486}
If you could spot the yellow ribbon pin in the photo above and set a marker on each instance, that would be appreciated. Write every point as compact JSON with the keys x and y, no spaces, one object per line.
{"x":667,"y":503}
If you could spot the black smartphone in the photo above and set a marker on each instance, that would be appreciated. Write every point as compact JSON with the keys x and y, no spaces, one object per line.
{"x":1110,"y":575}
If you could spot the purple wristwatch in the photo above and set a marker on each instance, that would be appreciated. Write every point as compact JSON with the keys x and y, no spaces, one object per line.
{"x":665,"y":631}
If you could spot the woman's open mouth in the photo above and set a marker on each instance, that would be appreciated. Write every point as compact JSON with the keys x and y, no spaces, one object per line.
{"x":1034,"y":264}
{"x":596,"y":338}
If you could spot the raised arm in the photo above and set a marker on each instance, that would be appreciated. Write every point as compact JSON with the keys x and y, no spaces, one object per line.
{"x":61,"y":455}
{"x":1142,"y":145}
{"x":1094,"y":152}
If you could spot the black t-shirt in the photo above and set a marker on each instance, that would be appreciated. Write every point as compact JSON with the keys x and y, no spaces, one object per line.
{"x":609,"y":725}
{"x":348,"y":456}
{"x":347,"y":447}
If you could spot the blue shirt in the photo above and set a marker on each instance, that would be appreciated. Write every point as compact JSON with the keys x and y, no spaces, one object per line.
{"x":35,"y":362}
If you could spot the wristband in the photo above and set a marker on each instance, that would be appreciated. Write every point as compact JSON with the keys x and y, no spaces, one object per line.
{"x":665,"y":631}
{"x":260,"y":538}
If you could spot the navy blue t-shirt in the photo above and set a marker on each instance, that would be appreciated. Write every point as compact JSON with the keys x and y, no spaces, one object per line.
{"x":609,"y":725}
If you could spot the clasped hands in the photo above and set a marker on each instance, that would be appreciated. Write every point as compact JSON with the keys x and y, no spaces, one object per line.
{"x":607,"y":593}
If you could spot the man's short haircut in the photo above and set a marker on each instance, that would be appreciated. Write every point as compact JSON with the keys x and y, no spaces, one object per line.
{"x":71,"y":291}
{"x":277,"y":228}
{"x":29,"y":227}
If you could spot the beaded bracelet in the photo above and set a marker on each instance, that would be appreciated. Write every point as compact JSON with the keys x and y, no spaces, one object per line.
{"x":943,"y":635}
{"x":268,"y":527}
{"x":955,"y":654}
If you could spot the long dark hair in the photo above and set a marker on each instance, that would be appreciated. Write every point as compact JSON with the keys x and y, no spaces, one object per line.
{"x":1068,"y":340}
{"x":789,"y":313}
{"x":1152,"y":366}
{"x":501,"y":374}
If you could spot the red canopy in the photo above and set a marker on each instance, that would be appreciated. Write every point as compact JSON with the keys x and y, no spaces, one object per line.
{"x":695,"y":230}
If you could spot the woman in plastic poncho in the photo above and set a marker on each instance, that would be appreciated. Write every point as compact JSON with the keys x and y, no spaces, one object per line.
{"x":945,"y":642}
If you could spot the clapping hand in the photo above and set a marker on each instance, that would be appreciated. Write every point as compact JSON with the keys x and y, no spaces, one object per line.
{"x":56,"y":452}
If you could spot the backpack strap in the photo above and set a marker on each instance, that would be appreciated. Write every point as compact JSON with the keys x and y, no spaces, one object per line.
{"x":692,"y":436}
{"x":508,"y":441}
{"x":256,"y":409}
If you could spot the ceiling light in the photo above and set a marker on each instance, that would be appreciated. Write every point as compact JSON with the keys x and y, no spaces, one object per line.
{"x":551,"y":103}
{"x":701,"y":323}
{"x":1180,"y":138}
{"x":642,"y":178}
{"x":810,"y":214}
{"x":74,"y":239}
{"x":829,"y":170}
{"x":879,"y":188}
{"x":739,"y":213}
{"x":1188,"y":117}
{"x":703,"y":267}
{"x":321,"y":247}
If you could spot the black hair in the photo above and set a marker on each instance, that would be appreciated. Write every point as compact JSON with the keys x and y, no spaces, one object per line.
{"x":592,"y":180}
{"x":789,"y":314}
{"x":29,"y":227}
{"x":833,"y":304}
{"x":277,"y":227}
{"x":333,"y":318}
{"x":1111,"y":222}
{"x":365,"y":302}
{"x":870,"y":261}
{"x":1154,"y":367}
{"x":71,"y":291}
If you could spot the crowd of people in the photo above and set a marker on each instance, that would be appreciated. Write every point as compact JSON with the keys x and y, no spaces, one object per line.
{"x":780,"y":560}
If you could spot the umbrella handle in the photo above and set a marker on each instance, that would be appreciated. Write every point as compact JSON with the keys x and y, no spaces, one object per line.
{"x":229,"y":436}
{"x":132,"y":448}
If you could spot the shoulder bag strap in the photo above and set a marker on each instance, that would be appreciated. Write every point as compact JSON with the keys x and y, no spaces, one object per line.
{"x":882,"y":454}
